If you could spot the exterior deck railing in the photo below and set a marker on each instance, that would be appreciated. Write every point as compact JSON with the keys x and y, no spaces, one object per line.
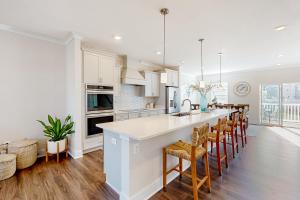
{"x":290,"y":111}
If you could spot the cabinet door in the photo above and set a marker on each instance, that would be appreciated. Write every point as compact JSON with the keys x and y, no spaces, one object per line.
{"x":175,"y":80}
{"x":169,"y":78}
{"x":91,"y":67}
{"x":155,"y":83}
{"x":148,"y":86}
{"x":106,"y":72}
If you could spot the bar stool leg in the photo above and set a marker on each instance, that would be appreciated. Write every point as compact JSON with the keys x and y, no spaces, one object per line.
{"x":164,"y":169}
{"x":237,"y":141}
{"x":180,"y":168}
{"x":219,"y":157}
{"x":225,"y":152}
{"x":194,"y":179}
{"x":211,"y":147}
{"x":242,"y":134}
{"x":245,"y":134}
{"x":232,"y":143}
{"x":207,"y":172}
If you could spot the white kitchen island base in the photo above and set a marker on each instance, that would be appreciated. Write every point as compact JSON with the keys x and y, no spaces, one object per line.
{"x":133,"y":156}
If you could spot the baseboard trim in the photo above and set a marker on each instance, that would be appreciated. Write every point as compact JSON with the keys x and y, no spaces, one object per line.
{"x":152,"y":188}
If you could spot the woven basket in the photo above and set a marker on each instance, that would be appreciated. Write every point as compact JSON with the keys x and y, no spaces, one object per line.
{"x":26,"y":151}
{"x":7,"y":166}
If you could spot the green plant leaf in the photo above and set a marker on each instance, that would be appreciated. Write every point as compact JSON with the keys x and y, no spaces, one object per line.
{"x":50,"y":119}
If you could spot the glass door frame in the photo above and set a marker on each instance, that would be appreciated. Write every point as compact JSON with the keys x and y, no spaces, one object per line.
{"x":280,"y":105}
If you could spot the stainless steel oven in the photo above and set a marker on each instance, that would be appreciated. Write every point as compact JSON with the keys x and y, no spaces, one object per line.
{"x":99,"y":99}
{"x":94,"y":119}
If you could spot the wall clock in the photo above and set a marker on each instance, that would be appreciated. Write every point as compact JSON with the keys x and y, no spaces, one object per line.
{"x":242,"y":88}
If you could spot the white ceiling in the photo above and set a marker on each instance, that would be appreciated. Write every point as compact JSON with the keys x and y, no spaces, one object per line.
{"x":242,"y":30}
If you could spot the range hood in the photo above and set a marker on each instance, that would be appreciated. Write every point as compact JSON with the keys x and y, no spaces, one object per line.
{"x":131,"y":76}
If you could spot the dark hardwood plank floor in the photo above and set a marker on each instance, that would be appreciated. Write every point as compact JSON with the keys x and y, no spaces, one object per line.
{"x":268,"y":168}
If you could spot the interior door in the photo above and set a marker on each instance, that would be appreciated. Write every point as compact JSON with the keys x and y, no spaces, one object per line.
{"x":270,"y":110}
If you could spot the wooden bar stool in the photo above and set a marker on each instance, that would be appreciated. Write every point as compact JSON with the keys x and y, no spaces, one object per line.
{"x":242,"y":125}
{"x":231,"y":130}
{"x":218,"y":135}
{"x":191,"y":152}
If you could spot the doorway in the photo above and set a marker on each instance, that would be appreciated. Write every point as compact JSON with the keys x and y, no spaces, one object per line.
{"x":280,"y":104}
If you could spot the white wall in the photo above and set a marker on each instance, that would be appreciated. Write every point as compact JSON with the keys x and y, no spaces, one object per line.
{"x":75,"y":94}
{"x":255,"y":78}
{"x":32,"y":85}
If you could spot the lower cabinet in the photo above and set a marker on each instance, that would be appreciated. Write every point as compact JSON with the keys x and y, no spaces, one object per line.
{"x":132,"y":115}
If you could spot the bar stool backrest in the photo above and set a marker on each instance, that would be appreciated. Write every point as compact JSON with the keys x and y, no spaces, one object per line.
{"x":222,"y":122}
{"x":200,"y":135}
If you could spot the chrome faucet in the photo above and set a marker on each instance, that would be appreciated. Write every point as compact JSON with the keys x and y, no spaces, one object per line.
{"x":188,"y":101}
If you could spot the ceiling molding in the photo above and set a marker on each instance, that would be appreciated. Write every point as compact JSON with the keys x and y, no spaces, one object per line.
{"x":38,"y":36}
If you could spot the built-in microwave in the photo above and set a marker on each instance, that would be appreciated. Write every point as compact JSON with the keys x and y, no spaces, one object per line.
{"x":99,"y":99}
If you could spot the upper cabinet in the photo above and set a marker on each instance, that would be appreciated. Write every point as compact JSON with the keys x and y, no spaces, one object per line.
{"x":172,"y":78}
{"x":99,"y":68}
{"x":153,"y":84}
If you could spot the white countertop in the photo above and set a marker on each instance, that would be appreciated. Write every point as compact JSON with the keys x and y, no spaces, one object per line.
{"x":149,"y":127}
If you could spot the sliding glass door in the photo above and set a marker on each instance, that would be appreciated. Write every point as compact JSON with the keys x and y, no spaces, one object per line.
{"x":280,"y":104}
{"x":270,"y":109}
{"x":291,"y":104}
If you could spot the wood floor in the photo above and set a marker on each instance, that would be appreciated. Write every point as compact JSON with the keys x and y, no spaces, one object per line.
{"x":268,"y":168}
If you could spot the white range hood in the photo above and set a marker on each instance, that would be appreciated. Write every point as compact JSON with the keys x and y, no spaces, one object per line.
{"x":131,"y":76}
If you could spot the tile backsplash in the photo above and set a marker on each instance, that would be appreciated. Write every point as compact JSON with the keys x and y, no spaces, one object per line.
{"x":131,"y":97}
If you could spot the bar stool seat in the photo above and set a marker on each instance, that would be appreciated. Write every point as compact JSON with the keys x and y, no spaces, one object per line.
{"x":183,"y":150}
{"x":212,"y":137}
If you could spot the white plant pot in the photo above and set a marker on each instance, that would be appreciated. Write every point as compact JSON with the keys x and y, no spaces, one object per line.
{"x":52,"y":146}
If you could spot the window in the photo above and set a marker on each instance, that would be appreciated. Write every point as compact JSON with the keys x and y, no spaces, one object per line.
{"x":219,"y":94}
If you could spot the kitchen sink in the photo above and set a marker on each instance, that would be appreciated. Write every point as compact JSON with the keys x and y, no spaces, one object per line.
{"x":182,"y":114}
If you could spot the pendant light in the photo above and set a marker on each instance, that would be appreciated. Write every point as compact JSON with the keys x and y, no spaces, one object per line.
{"x":202,"y":83}
{"x":164,"y":77}
{"x":220,"y":63}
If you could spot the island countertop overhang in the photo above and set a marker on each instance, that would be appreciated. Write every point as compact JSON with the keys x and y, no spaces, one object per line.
{"x":150,"y":127}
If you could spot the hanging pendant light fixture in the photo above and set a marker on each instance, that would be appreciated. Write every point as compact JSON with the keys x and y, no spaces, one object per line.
{"x":202,"y":83}
{"x":220,"y":63}
{"x":164,"y":77}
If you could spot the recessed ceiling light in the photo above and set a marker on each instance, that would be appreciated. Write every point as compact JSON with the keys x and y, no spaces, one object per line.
{"x":278,"y":64}
{"x":182,"y":62}
{"x":280,"y":55}
{"x":280,"y":28}
{"x":118,"y":37}
{"x":158,"y":53}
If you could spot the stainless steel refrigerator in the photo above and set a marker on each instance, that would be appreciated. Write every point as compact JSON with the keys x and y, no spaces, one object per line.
{"x":172,"y":99}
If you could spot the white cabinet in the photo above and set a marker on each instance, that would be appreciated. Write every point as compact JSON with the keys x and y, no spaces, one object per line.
{"x":98,"y":68}
{"x":172,"y":78}
{"x":153,"y":84}
{"x":121,"y":116}
{"x":91,"y":67}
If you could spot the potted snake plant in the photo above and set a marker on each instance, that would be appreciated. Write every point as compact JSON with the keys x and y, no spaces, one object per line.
{"x":57,"y":132}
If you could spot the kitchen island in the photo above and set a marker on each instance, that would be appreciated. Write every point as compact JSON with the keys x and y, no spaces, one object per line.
{"x":133,"y":150}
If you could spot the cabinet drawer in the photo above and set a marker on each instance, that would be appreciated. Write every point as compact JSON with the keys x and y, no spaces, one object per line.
{"x":121,"y":116}
{"x":134,"y":115}
{"x":144,"y":114}
{"x":163,"y":111}
{"x":153,"y":112}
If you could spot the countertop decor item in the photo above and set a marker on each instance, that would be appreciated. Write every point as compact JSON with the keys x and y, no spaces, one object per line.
{"x":26,"y":152}
{"x":242,"y":88}
{"x":7,"y":166}
{"x":57,"y":132}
